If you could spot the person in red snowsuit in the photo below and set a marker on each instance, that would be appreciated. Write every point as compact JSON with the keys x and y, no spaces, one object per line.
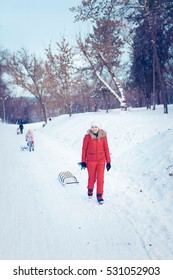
{"x":95,"y":154}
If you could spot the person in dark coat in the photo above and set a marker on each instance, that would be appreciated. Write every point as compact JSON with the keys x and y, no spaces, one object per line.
{"x":21,"y":127}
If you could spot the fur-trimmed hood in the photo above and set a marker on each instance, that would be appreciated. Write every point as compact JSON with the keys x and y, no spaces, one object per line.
{"x":101,"y":134}
{"x":95,"y":148}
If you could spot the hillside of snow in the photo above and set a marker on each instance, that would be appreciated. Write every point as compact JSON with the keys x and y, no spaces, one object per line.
{"x":41,"y":219}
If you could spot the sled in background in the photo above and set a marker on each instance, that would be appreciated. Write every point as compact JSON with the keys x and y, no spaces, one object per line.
{"x":67,"y":178}
{"x":24,"y":148}
{"x":18,"y":131}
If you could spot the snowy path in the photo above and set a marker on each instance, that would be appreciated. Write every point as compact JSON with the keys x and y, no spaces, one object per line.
{"x":40,"y":219}
{"x":48,"y":221}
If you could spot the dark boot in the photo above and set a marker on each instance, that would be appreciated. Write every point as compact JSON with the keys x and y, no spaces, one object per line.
{"x":100,"y":198}
{"x":90,"y":192}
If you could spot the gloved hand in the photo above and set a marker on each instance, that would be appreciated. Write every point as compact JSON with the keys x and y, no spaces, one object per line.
{"x":108,"y":166}
{"x":83,"y":165}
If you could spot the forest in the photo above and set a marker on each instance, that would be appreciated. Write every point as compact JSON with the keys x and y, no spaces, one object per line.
{"x":126,"y":60}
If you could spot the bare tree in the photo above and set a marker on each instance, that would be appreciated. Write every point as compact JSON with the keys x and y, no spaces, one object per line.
{"x":62,"y":73}
{"x":4,"y":89}
{"x":157,"y":14}
{"x":29,"y":73}
{"x":102,"y":49}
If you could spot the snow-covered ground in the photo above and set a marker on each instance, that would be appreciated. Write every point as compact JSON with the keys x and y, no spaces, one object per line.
{"x":41,"y":219}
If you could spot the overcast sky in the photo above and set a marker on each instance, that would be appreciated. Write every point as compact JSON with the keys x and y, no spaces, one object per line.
{"x":33,"y":24}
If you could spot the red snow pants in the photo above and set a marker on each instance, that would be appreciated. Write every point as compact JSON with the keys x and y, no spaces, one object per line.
{"x":96,"y":174}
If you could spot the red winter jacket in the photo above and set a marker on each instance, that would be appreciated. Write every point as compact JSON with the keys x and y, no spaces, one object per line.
{"x":95,"y":148}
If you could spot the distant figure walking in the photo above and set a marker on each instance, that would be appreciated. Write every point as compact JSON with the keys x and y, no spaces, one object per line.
{"x":21,"y":127}
{"x":30,"y":140}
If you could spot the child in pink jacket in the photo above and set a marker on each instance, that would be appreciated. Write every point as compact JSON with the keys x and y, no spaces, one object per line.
{"x":30,"y":140}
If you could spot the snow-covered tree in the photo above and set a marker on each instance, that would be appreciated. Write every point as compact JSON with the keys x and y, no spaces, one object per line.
{"x":102,"y":50}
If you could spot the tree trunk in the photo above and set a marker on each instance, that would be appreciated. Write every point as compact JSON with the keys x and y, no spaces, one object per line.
{"x":163,"y":93}
{"x":154,"y":81}
{"x":44,"y":112}
{"x":152,"y":25}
